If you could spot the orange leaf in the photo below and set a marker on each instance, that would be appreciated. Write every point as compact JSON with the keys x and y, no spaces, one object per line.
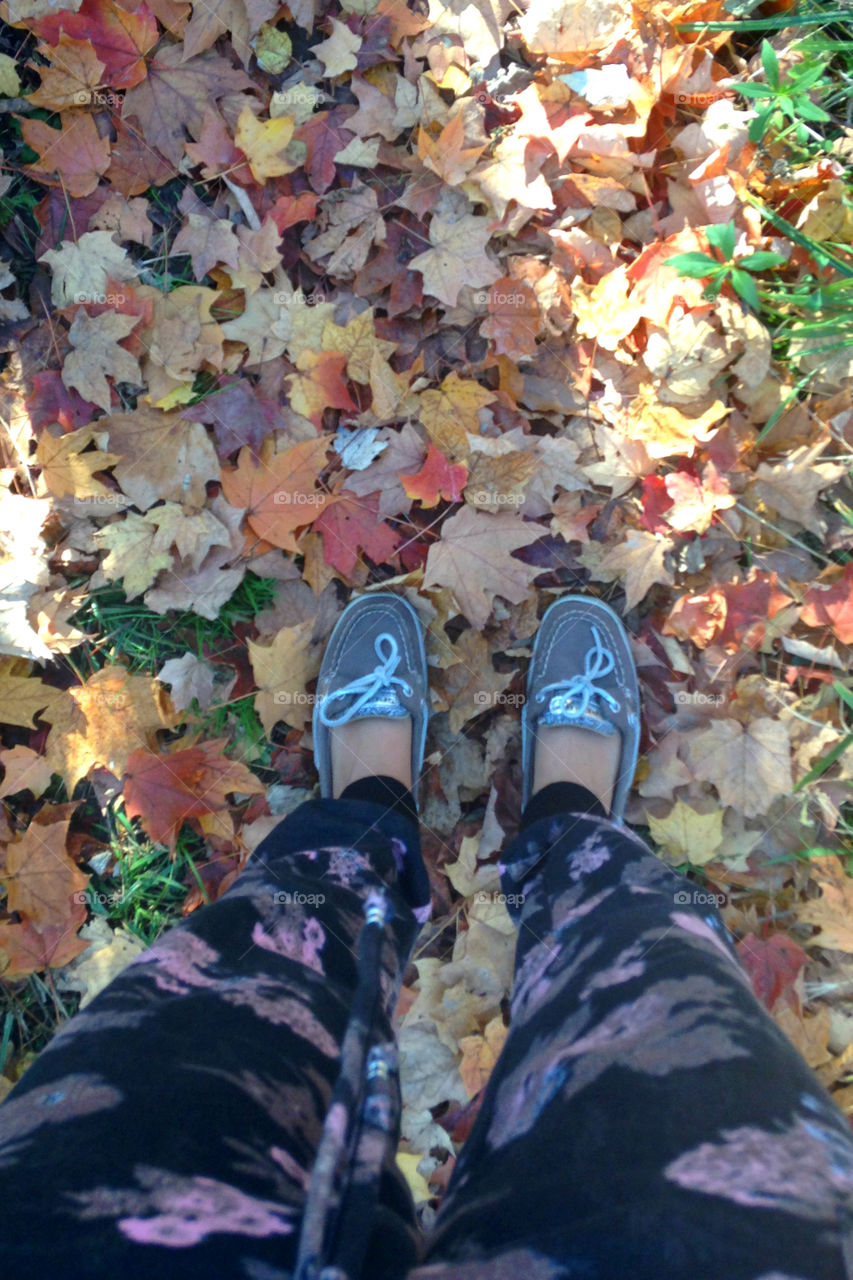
{"x":832,"y":606}
{"x":319,"y":385}
{"x":73,"y":156}
{"x":437,"y":479}
{"x":280,"y":494}
{"x":120,"y":38}
{"x":163,"y":791}
{"x":43,"y":883}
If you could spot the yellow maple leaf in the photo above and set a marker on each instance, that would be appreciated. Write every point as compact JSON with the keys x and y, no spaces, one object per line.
{"x":451,"y":410}
{"x":688,"y":836}
{"x":264,"y":143}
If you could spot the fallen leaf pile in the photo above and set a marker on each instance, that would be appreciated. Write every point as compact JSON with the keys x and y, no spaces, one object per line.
{"x":333,"y":296}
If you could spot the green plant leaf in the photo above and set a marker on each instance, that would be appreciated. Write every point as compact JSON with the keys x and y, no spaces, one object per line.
{"x":722,"y":236}
{"x":762,"y":261}
{"x":745,"y":287}
{"x":770,"y":63}
{"x":696,"y":265}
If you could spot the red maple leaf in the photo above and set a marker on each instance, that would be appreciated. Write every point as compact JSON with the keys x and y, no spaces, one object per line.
{"x":351,"y":523}
{"x":832,"y":606}
{"x":437,"y":478}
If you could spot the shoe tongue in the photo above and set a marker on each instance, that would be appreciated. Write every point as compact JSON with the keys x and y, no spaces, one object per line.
{"x":566,"y":711}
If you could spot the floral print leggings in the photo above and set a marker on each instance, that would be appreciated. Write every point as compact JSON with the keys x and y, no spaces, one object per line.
{"x":227,"y":1107}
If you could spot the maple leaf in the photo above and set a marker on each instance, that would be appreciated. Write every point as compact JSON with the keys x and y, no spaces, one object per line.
{"x":170,"y":102}
{"x":70,"y":82}
{"x":81,"y":270}
{"x":337,"y":52}
{"x":359,"y":343}
{"x":102,"y":721}
{"x":208,"y":241}
{"x":566,"y":28}
{"x":264,"y":144}
{"x":120,"y":38}
{"x":831,"y":606}
{"x":514,"y":320}
{"x":22,"y":698}
{"x":134,"y":165}
{"x":282,"y":670}
{"x":451,"y":410}
{"x":664,"y":429}
{"x":695,"y":501}
{"x":67,"y":470}
{"x":131,"y":557}
{"x":24,"y":949}
{"x":162,"y":457}
{"x":773,"y":965}
{"x":279,"y":495}
{"x":319,"y":385}
{"x":688,"y":836}
{"x":437,"y":479}
{"x":96,"y":355}
{"x":499,"y":482}
{"x":189,"y":678}
{"x":749,"y":766}
{"x":470,"y":684}
{"x":641,"y":558}
{"x":239,"y":416}
{"x":473,"y":561}
{"x":349,"y":524}
{"x":73,"y":156}
{"x":24,"y":770}
{"x":164,"y":791}
{"x":458,"y":256}
{"x":447,"y":155}
{"x":791,"y":488}
{"x":41,"y":880}
{"x":832,"y":912}
{"x":404,"y":453}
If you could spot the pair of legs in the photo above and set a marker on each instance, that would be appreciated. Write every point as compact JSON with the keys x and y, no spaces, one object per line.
{"x":646,"y":1117}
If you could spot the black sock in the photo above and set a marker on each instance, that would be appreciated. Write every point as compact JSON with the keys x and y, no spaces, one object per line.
{"x":385,"y":790}
{"x":559,"y":798}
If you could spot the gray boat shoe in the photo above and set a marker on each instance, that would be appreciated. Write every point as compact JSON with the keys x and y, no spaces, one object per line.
{"x":374,"y":665}
{"x":583,"y":674}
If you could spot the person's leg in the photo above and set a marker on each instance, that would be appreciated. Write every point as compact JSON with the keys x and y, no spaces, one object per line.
{"x":646,"y":1117}
{"x":170,"y":1128}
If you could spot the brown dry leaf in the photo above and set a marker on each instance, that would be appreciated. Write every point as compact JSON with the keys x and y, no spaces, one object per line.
{"x":22,"y":698}
{"x":40,"y":878}
{"x":81,"y":269}
{"x":67,"y":470}
{"x":69,"y":83}
{"x":131,"y":556}
{"x":567,"y":29}
{"x":832,"y":912}
{"x":24,"y":770}
{"x":73,"y":156}
{"x":163,"y":456}
{"x":97,"y":356}
{"x":450,"y":411}
{"x":458,"y":257}
{"x":791,"y":488}
{"x":282,"y":670}
{"x":749,"y":765}
{"x":641,"y":559}
{"x":470,"y":684}
{"x":686,"y":835}
{"x":337,"y":53}
{"x":664,"y":429}
{"x":473,"y":561}
{"x":102,"y":721}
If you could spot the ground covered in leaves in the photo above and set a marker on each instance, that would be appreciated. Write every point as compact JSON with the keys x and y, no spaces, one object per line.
{"x":303,"y":299}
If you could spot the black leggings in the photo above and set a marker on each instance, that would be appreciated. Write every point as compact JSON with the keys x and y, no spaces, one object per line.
{"x":646,"y":1118}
